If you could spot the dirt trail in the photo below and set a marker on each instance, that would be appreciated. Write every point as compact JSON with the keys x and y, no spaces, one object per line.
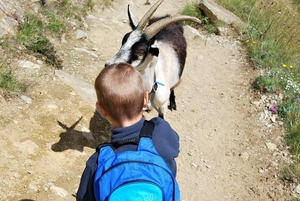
{"x":224,"y":154}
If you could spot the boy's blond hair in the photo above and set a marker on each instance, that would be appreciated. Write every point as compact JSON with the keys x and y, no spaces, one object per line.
{"x":120,"y":91}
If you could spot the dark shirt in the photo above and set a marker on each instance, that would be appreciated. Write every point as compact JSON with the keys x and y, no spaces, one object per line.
{"x":165,"y":140}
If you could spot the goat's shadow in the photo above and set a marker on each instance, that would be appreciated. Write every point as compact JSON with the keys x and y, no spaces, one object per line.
{"x":77,"y":140}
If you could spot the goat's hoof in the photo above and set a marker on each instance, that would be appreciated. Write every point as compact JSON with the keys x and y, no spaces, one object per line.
{"x":172,"y":107}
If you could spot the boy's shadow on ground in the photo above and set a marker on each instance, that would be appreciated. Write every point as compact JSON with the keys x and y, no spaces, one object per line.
{"x":75,"y":139}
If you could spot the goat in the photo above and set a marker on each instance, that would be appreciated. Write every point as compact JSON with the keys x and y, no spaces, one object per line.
{"x":157,"y":48}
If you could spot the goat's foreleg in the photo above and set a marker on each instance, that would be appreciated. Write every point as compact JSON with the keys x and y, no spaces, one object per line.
{"x":172,"y":105}
{"x":159,"y":100}
{"x":162,"y":110}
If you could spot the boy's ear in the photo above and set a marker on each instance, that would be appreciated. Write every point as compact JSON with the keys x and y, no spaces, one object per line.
{"x":101,"y":110}
{"x":146,"y":99}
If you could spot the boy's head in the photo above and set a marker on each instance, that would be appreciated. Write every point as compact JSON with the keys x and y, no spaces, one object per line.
{"x":120,"y":92}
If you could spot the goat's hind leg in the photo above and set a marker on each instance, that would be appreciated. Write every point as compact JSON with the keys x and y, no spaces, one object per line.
{"x":172,"y":105}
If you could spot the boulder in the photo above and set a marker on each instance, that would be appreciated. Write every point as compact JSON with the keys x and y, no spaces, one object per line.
{"x":216,"y":12}
{"x":10,"y":16}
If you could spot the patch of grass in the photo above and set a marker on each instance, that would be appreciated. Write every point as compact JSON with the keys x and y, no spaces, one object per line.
{"x":297,"y":3}
{"x":9,"y":47}
{"x":68,"y":10}
{"x":293,"y":127}
{"x":287,"y":173}
{"x":192,"y":9}
{"x":8,"y":81}
{"x":90,"y":4}
{"x":264,"y":84}
{"x":290,"y":111}
{"x":32,"y":35}
{"x":107,"y":3}
{"x":4,"y":43}
{"x":54,"y":25}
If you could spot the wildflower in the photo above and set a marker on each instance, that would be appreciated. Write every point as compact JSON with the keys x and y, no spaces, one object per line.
{"x":291,"y":66}
{"x":273,"y":108}
{"x":284,"y":65}
{"x":247,"y":41}
{"x":254,"y":42}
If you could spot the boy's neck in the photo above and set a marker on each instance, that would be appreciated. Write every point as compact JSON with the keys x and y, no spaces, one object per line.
{"x":125,"y":123}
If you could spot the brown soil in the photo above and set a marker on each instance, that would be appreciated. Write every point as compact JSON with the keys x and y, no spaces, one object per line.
{"x":224,"y":152}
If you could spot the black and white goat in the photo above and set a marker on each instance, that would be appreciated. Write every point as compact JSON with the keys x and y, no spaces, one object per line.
{"x":157,"y":48}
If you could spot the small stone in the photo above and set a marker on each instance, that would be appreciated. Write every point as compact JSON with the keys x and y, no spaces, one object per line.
{"x":26,"y":99}
{"x":261,"y":170}
{"x":81,"y":34}
{"x":264,"y":98}
{"x":245,"y":156}
{"x":297,"y":189}
{"x":28,"y":64}
{"x":58,"y":191}
{"x":63,"y":38}
{"x":271,"y":146}
{"x":33,"y":187}
{"x":280,"y":96}
{"x":194,"y":165}
{"x":273,"y":118}
{"x":256,"y":103}
{"x":52,"y":106}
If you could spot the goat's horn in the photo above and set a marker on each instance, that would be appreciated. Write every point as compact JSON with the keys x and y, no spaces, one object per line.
{"x":143,"y":22}
{"x":156,"y":27}
{"x":133,"y":21}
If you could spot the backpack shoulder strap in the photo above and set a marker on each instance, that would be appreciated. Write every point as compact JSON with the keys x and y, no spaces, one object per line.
{"x":103,"y":145}
{"x":127,"y":141}
{"x":147,"y":129}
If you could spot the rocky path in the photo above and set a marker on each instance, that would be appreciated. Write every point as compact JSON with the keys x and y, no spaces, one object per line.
{"x":230,"y":149}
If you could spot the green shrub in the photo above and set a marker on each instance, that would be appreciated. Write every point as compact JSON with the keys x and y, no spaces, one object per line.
{"x":32,"y":35}
{"x":8,"y":81}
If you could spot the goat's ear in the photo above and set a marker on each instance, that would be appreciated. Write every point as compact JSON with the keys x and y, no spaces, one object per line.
{"x":154,"y":50}
{"x":132,"y":20}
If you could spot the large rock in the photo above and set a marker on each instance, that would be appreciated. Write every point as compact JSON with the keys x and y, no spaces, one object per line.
{"x":10,"y":16}
{"x":215,"y":12}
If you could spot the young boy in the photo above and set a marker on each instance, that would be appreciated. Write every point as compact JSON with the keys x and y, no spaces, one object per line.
{"x":121,"y":99}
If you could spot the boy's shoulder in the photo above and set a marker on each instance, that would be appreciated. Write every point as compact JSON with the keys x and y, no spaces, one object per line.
{"x":161,"y":123}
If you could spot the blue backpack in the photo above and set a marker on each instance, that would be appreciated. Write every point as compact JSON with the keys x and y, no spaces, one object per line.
{"x":140,"y":175}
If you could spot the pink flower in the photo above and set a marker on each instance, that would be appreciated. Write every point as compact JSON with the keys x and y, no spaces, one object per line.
{"x":273,"y":108}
